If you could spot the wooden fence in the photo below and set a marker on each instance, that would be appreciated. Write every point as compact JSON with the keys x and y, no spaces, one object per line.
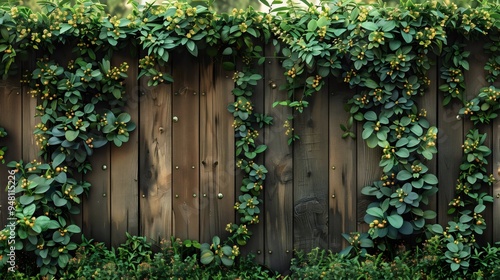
{"x":177,"y":176}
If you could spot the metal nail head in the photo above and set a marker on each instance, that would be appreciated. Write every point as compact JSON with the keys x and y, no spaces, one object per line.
{"x":175,"y":119}
{"x":104,"y":167}
{"x":220,"y":196}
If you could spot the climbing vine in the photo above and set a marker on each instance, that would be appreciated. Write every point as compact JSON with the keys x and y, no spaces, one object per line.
{"x":382,"y":53}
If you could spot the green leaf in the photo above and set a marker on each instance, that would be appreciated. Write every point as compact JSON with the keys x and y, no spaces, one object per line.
{"x":206,"y":257}
{"x":71,"y":135}
{"x":430,"y":179}
{"x":58,"y":159}
{"x":369,"y":26}
{"x":395,"y":220}
{"x":370,"y":116}
{"x":404,"y":175}
{"x":29,"y":210}
{"x":375,"y":212}
{"x":479,"y":208}
{"x":73,"y":229}
{"x":26,"y":199}
{"x":260,"y":149}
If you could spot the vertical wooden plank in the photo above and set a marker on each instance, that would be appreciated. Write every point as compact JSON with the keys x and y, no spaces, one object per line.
{"x":475,"y":79}
{"x":428,"y":102}
{"x":257,"y":243}
{"x":11,"y":120}
{"x":124,"y":166}
{"x":186,"y":138}
{"x":342,"y":169}
{"x":278,"y":186}
{"x":216,"y":151}
{"x":311,"y":171}
{"x":29,"y":148}
{"x":96,"y":210}
{"x":155,"y":161}
{"x":449,"y":144}
{"x":367,"y":171}
{"x":495,"y":225}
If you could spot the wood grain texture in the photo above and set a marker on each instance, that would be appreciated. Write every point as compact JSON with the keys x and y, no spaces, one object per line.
{"x":495,"y":225}
{"x":310,"y":168}
{"x":216,"y":151}
{"x":96,"y":206}
{"x":368,"y":171}
{"x":11,"y":120}
{"x":449,"y":144}
{"x":342,"y":169}
{"x":278,"y":188}
{"x":155,"y":162}
{"x":186,"y":137}
{"x":124,"y":166}
{"x":428,"y":102}
{"x":475,"y":80}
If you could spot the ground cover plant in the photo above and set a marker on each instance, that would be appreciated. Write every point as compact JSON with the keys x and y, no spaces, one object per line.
{"x":382,"y":52}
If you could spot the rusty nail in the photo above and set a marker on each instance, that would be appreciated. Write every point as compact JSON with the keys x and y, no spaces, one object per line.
{"x":104,"y":167}
{"x":220,"y":195}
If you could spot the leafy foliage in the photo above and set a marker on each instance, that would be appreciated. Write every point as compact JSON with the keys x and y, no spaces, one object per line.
{"x":383,"y":52}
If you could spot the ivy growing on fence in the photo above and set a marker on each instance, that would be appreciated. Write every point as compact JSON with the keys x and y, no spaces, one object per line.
{"x":382,"y":52}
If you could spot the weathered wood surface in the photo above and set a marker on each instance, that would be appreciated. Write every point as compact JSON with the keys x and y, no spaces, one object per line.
{"x":278,"y":187}
{"x":186,"y":149}
{"x":155,"y":161}
{"x":310,"y":174}
{"x":342,"y":169}
{"x":216,"y":151}
{"x":165,"y":181}
{"x":124,"y":166}
{"x":11,"y":110}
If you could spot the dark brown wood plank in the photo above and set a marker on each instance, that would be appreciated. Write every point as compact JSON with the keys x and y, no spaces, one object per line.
{"x":342,"y":171}
{"x":310,"y":168}
{"x":449,"y":144}
{"x":428,"y":102}
{"x":155,"y":160}
{"x":368,"y":171}
{"x":278,"y":188}
{"x":495,"y":225}
{"x":216,"y":151}
{"x":186,"y":175}
{"x":96,"y":206}
{"x":11,"y":120}
{"x":257,"y":242}
{"x":124,"y":171}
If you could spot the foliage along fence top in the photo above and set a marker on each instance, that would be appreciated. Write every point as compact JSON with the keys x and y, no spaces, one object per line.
{"x":383,"y":53}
